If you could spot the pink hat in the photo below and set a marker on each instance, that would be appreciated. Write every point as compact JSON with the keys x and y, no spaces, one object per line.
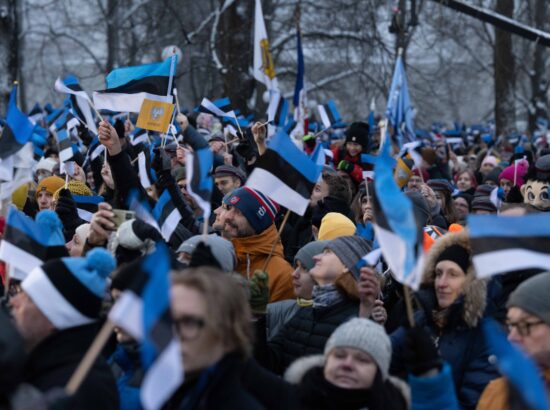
{"x":490,"y":159}
{"x":508,"y":172}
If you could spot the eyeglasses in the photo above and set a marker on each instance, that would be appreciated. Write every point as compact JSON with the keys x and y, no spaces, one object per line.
{"x":523,"y":328}
{"x":188,"y":327}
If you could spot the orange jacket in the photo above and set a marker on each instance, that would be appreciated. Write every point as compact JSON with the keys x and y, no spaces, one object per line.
{"x":253,"y":251}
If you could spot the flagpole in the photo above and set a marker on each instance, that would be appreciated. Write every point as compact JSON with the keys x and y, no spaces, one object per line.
{"x":89,"y":358}
{"x":408,"y":304}
{"x":279,"y":232}
{"x":177,"y":100}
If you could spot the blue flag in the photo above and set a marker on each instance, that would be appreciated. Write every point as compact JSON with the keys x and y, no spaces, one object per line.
{"x":520,"y":371}
{"x":399,"y":110}
{"x":199,"y":179}
{"x":18,"y":129}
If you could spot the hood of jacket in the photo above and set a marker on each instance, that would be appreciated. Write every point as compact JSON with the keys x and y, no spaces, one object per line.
{"x":475,"y":290}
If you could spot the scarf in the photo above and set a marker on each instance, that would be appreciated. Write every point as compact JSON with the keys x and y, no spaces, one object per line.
{"x":304,"y":302}
{"x":325,"y":296}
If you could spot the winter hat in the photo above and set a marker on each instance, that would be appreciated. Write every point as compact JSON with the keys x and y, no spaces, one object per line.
{"x":179,"y":173}
{"x":457,"y":254}
{"x":520,"y":170}
{"x":307,"y":252}
{"x":358,"y":132}
{"x":50,"y":185}
{"x":134,"y":238}
{"x":19,"y":196}
{"x":532,"y":296}
{"x":69,"y":291}
{"x":483,"y":190}
{"x":334,"y":225}
{"x":230,"y":171}
{"x":467,"y":197}
{"x":542,"y":168}
{"x":46,"y":164}
{"x":76,"y":188}
{"x":364,"y":335}
{"x":483,"y":203}
{"x":492,"y":176}
{"x":489,"y":159}
{"x":349,"y":250}
{"x":221,"y":248}
{"x":440,"y":184}
{"x":257,"y":208}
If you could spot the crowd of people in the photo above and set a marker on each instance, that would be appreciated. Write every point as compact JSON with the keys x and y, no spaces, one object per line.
{"x":271,"y":314}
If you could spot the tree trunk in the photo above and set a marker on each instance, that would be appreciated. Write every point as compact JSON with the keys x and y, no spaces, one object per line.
{"x":9,"y":50}
{"x":234,"y":40}
{"x":504,"y":66}
{"x":539,"y":103}
{"x":112,"y":35}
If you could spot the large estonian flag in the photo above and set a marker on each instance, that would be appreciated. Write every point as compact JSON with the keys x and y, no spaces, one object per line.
{"x":199,"y":178}
{"x":127,"y":87}
{"x":329,"y":114}
{"x":397,"y":232}
{"x":285,"y":174}
{"x":143,"y":310}
{"x":167,"y":215}
{"x":18,"y":128}
{"x":80,"y":100}
{"x":502,"y":244}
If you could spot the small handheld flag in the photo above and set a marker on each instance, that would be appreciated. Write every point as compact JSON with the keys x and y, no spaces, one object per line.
{"x":199,"y":179}
{"x":18,"y":128}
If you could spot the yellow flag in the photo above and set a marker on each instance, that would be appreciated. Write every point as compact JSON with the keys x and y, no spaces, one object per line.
{"x":155,"y":115}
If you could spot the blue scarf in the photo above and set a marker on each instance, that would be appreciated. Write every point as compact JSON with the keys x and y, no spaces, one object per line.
{"x":325,"y":296}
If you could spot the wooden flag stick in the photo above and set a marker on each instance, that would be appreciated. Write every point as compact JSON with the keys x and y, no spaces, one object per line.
{"x":177,"y":100}
{"x":231,"y":142}
{"x":205,"y":230}
{"x":89,"y":358}
{"x":96,"y":111}
{"x":279,"y":232}
{"x":408,"y":304}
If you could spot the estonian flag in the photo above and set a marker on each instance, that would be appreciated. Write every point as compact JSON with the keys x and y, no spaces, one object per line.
{"x":167,"y":215}
{"x":285,"y":174}
{"x":397,"y":232}
{"x":143,"y":310}
{"x":127,"y":87}
{"x":86,"y":205}
{"x":199,"y":179}
{"x":65,"y":145}
{"x":329,"y":114}
{"x":142,"y":210}
{"x":28,"y":243}
{"x":516,"y":367}
{"x":18,"y":128}
{"x":79,"y":98}
{"x":277,"y":111}
{"x":139,"y":136}
{"x":219,"y":108}
{"x":502,"y":244}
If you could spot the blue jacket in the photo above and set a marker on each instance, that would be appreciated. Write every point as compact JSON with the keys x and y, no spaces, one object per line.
{"x":125,"y":365}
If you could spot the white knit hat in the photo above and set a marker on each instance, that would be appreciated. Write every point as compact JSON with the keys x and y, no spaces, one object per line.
{"x":364,"y":335}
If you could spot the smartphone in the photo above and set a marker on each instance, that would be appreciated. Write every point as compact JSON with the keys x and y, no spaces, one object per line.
{"x":122,"y":215}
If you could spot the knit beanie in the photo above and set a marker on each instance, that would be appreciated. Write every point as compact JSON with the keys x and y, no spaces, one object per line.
{"x":467,"y":197}
{"x":492,"y":176}
{"x":77,"y":188}
{"x":307,"y":252}
{"x":483,"y":203}
{"x":457,"y":254}
{"x":69,"y":291}
{"x":221,"y":248}
{"x":520,"y":169}
{"x":19,"y":196}
{"x":349,"y":250}
{"x":50,"y":185}
{"x":364,"y":335}
{"x":334,"y":225}
{"x":257,"y":208}
{"x":489,"y":159}
{"x":358,"y":132}
{"x":532,"y":296}
{"x":483,"y":190}
{"x":133,"y":238}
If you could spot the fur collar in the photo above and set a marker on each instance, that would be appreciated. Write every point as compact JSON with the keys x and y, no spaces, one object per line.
{"x":475,"y":290}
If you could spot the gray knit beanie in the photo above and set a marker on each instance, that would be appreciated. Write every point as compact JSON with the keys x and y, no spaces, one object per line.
{"x":532,"y":296}
{"x":221,"y":248}
{"x":364,"y":335}
{"x":307,"y":252}
{"x":349,"y":250}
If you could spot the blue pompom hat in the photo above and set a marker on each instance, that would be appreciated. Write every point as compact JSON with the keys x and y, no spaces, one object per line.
{"x":69,"y":291}
{"x":258,"y":209}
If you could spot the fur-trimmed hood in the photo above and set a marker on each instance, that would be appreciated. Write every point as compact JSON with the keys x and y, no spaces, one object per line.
{"x":298,"y":369}
{"x":475,"y":290}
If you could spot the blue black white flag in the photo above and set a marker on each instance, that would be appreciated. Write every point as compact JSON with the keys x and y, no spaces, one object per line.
{"x":329,"y":114}
{"x":127,"y":87}
{"x":87,"y":205}
{"x":399,"y":110}
{"x":143,"y":310}
{"x":277,"y":111}
{"x":502,"y":244}
{"x":285,"y":174}
{"x":167,"y":215}
{"x":18,"y":128}
{"x":199,"y":178}
{"x":79,"y":98}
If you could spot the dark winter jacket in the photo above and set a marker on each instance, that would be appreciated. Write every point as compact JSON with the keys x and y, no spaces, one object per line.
{"x":305,"y":334}
{"x":126,"y":367}
{"x":460,"y":340}
{"x":305,"y":387}
{"x":218,"y":387}
{"x":296,"y":234}
{"x":52,"y":363}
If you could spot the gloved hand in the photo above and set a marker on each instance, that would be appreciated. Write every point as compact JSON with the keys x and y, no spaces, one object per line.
{"x":420,"y":354}
{"x":161,"y":161}
{"x":345,"y":166}
{"x":259,"y":292}
{"x":514,"y":196}
{"x":68,"y":213}
{"x":245,"y":149}
{"x":309,"y":141}
{"x":202,"y":256}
